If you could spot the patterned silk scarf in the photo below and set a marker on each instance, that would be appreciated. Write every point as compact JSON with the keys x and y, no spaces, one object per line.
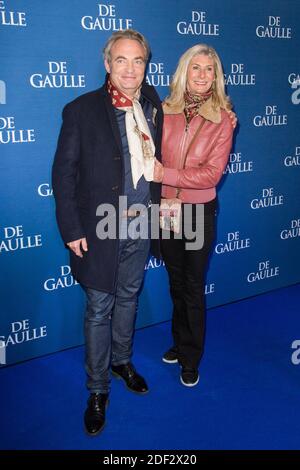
{"x":192,"y":104}
{"x":140,"y":142}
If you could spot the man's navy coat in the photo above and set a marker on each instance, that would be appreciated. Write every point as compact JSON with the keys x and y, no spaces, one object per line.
{"x":88,"y":171}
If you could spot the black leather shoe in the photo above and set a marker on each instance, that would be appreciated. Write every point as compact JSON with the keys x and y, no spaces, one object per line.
{"x":171,"y":356}
{"x":133,"y":380}
{"x":94,"y":416}
{"x":189,"y":377}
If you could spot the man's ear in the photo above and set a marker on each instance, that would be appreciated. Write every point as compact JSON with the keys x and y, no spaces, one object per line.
{"x":107,"y":66}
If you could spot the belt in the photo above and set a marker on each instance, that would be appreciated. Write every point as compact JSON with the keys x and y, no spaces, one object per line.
{"x":131,"y":213}
{"x":136,"y":213}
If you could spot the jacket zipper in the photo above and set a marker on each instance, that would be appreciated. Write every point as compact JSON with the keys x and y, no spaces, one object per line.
{"x":182,"y":146}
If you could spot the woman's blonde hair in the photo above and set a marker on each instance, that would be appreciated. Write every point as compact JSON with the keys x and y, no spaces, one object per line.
{"x":179,"y":81}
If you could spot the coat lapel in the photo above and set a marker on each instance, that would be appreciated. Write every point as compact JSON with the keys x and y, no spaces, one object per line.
{"x":112,"y":119}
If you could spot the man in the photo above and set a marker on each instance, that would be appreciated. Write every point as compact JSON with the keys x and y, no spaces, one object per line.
{"x":107,"y":148}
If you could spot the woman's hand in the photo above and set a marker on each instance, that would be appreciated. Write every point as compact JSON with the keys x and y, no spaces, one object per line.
{"x":158,"y":172}
{"x":233,"y":119}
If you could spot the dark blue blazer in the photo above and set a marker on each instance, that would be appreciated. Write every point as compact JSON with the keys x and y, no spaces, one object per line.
{"x":88,"y":171}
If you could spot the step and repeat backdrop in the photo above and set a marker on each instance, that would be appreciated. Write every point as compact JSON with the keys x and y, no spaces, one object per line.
{"x":51,"y":52}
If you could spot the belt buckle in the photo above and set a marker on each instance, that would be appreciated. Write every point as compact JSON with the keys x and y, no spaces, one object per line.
{"x":130,"y":213}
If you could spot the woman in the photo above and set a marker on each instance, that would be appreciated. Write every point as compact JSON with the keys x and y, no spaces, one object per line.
{"x":197,"y":139}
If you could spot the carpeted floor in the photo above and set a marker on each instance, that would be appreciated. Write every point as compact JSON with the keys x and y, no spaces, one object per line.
{"x":247,"y":398}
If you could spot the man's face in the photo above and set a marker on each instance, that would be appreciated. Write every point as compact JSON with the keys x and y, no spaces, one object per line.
{"x":127,"y":65}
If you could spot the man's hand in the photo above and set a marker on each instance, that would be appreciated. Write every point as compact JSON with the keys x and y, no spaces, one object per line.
{"x":158,"y":172}
{"x":76,"y":246}
{"x":233,"y":119}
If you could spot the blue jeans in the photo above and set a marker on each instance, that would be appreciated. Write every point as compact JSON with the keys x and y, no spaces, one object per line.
{"x":110,"y":318}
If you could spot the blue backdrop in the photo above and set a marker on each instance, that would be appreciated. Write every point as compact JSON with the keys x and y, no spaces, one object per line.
{"x":51,"y":52}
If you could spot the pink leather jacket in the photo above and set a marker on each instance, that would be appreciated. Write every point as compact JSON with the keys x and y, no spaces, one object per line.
{"x":207,"y":156}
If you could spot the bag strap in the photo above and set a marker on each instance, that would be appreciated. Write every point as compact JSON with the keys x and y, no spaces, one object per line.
{"x":193,"y":140}
{"x":189,"y":147}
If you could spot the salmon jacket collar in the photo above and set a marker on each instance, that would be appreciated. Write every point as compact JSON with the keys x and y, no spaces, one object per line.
{"x":206,"y":110}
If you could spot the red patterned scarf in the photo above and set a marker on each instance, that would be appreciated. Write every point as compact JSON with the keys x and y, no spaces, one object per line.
{"x":141,"y":146}
{"x":193,"y":103}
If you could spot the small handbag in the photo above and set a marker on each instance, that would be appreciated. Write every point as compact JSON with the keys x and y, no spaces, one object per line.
{"x":170,"y":209}
{"x":170,"y":214}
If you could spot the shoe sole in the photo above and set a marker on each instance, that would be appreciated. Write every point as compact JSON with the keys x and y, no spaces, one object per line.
{"x":119,"y":377}
{"x":189,"y":385}
{"x":92,"y":434}
{"x":170,"y":361}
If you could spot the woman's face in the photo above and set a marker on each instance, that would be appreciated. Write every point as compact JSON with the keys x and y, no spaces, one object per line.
{"x":200,"y":74}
